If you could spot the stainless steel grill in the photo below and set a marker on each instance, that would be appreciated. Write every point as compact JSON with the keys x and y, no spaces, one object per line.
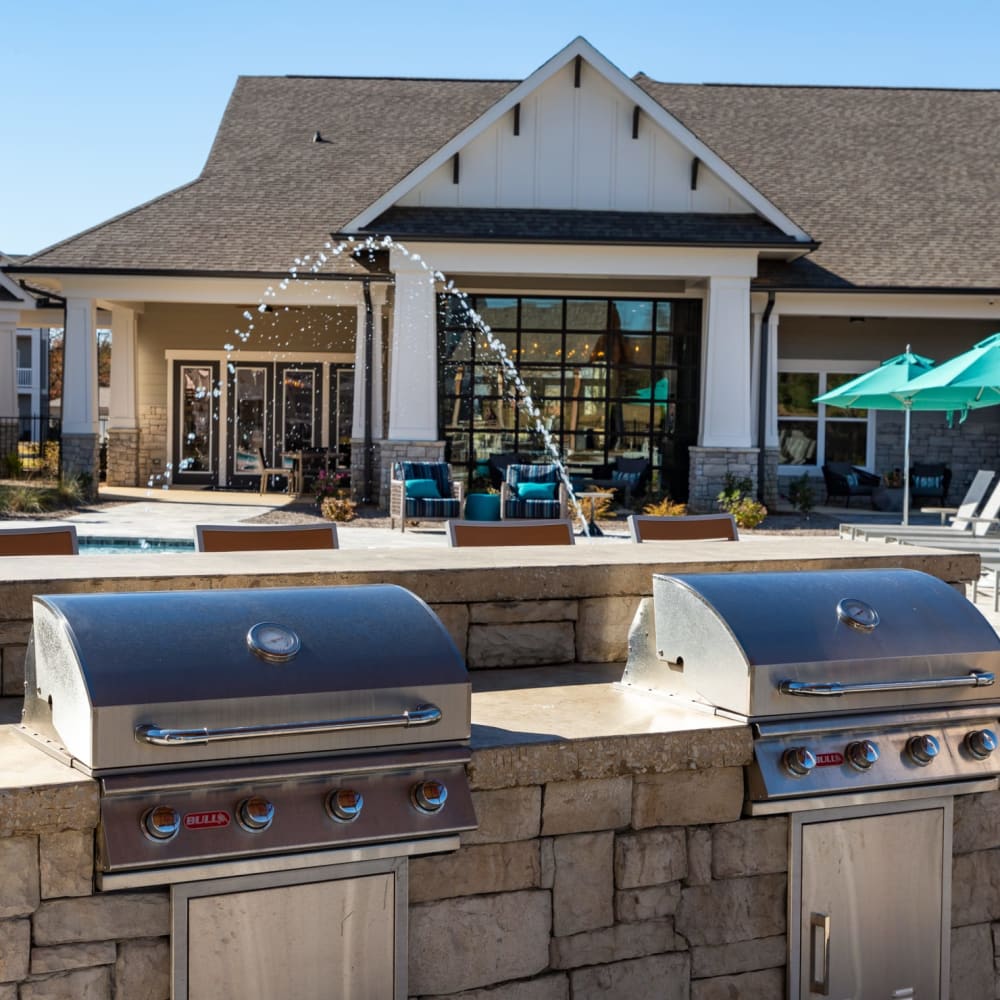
{"x":873,"y":702}
{"x":243,"y":738}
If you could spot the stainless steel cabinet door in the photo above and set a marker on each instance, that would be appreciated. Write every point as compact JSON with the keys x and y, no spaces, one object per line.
{"x":331,"y":939}
{"x":873,"y":895}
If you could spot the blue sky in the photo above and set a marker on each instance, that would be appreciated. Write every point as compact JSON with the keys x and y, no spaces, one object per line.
{"x":109,"y":103}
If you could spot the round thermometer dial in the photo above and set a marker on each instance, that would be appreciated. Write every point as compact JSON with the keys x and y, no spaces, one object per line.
{"x":272,"y":642}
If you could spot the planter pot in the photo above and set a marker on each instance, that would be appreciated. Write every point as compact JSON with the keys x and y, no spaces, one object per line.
{"x":482,"y":507}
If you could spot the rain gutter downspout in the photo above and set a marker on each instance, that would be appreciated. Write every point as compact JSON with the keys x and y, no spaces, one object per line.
{"x":369,"y":447}
{"x":762,"y":385}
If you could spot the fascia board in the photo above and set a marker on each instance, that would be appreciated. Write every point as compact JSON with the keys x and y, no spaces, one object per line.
{"x":581,"y":47}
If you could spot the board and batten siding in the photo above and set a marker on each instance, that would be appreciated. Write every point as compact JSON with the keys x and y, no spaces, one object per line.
{"x":575,"y":151}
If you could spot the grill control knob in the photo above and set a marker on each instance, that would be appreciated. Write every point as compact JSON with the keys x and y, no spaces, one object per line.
{"x":344,"y":805}
{"x":981,"y":743}
{"x":862,"y":754}
{"x":922,"y":749}
{"x":255,"y":814}
{"x":161,"y":823}
{"x":798,"y":761}
{"x":429,"y":796}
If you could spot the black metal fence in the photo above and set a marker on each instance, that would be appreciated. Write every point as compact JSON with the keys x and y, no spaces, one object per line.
{"x":30,"y":446}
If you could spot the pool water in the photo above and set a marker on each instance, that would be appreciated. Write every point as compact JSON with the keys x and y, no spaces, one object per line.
{"x":118,"y":546}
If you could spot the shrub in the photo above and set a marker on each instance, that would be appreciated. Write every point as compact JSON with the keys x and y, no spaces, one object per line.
{"x":665,"y":507}
{"x":748,"y":512}
{"x":338,"y":508}
{"x":801,"y":494}
{"x":735,"y":498}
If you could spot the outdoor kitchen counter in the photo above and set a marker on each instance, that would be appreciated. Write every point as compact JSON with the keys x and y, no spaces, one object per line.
{"x":39,"y":795}
{"x":577,"y":722}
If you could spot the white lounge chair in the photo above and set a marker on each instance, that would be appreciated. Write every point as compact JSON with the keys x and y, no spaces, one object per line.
{"x":968,"y":518}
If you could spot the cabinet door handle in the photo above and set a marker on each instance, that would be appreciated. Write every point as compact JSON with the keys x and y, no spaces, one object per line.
{"x":819,"y":984}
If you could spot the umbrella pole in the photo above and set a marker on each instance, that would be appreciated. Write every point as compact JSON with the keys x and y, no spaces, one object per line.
{"x":906,"y":461}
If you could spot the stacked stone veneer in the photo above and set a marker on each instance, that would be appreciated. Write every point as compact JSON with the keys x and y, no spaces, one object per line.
{"x":615,"y":867}
{"x":58,"y":941}
{"x":385,"y":453}
{"x":80,"y":456}
{"x":123,"y":458}
{"x":708,"y":471}
{"x":152,"y":445}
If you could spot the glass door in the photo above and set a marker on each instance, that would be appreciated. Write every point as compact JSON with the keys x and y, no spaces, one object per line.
{"x":251,"y":421}
{"x":300,"y":400}
{"x":341,"y":413}
{"x":196,"y":422}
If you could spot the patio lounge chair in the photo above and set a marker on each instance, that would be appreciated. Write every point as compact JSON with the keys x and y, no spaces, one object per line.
{"x":262,"y":537}
{"x":423,"y":491}
{"x":691,"y":527}
{"x":39,"y":540}
{"x":533,"y":491}
{"x":630,"y":475}
{"x":968,"y":516}
{"x":845,"y":480}
{"x":517,"y":532}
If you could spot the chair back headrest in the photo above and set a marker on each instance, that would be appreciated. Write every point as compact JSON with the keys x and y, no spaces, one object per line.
{"x":532,"y":474}
{"x":39,"y":540}
{"x":263,"y":537}
{"x":691,"y":527}
{"x":527,"y":532}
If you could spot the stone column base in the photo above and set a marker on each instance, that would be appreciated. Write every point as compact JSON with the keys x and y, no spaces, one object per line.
{"x":81,"y":459}
{"x":123,"y":457}
{"x":772,"y":457}
{"x":387,"y":452}
{"x":707,"y":476}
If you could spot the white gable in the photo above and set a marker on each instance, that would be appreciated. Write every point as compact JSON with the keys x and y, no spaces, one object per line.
{"x":575,"y":150}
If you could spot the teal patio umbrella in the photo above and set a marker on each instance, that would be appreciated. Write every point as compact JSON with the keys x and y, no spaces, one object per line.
{"x":969,"y":381}
{"x":878,"y":390}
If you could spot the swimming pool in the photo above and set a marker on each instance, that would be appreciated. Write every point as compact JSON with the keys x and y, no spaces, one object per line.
{"x":95,"y":546}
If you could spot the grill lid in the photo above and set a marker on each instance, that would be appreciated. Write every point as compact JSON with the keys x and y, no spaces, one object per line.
{"x":153,"y":679}
{"x":791,"y":644}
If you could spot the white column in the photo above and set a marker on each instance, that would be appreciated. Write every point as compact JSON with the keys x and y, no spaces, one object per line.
{"x":379,"y":292}
{"x":79,"y":402}
{"x":413,"y":355}
{"x":8,"y":367}
{"x":727,"y":420}
{"x":122,"y":407}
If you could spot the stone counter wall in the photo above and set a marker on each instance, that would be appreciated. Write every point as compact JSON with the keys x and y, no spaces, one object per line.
{"x":584,"y":879}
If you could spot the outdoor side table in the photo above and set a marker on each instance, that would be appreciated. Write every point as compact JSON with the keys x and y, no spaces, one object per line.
{"x":592,"y":527}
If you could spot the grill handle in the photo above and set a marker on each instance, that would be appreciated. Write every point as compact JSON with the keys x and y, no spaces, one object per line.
{"x":833,"y":689}
{"x":422,"y":715}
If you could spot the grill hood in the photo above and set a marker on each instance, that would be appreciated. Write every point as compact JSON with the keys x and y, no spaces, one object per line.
{"x":772,"y":645}
{"x":111,"y":678}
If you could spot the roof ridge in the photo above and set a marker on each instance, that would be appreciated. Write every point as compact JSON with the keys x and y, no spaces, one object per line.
{"x":821,"y":86}
{"x":31,"y":258}
{"x":414,"y":79}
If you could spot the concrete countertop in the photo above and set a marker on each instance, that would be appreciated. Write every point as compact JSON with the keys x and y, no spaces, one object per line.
{"x":582,"y":701}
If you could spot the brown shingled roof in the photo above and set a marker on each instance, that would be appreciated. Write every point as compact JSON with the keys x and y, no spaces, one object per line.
{"x":268,"y":193}
{"x":899,"y":186}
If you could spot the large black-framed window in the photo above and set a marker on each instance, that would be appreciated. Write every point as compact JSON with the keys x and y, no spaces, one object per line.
{"x":610,"y":377}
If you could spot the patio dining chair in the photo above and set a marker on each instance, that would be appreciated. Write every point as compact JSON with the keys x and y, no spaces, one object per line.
{"x":687,"y":528}
{"x":533,"y":491}
{"x":423,"y":491}
{"x":516,"y":532}
{"x":39,"y":540}
{"x":263,"y":537}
